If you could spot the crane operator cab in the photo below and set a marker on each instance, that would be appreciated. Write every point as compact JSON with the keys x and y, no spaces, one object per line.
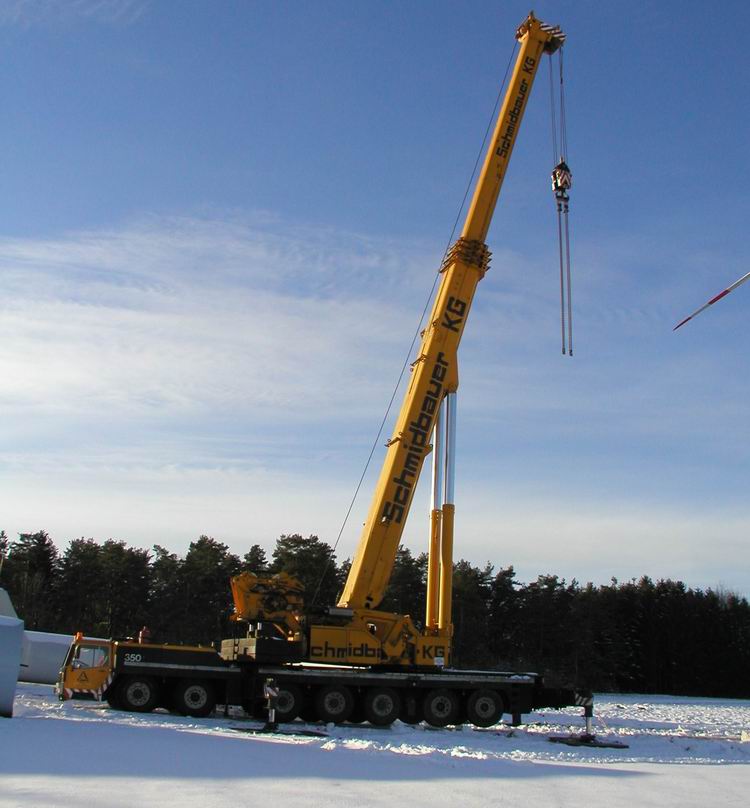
{"x":87,"y":669}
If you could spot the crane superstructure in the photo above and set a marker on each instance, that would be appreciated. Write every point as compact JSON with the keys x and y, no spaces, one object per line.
{"x":355,"y":629}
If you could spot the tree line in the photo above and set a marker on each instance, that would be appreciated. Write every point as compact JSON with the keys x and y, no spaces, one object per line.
{"x":636,"y":636}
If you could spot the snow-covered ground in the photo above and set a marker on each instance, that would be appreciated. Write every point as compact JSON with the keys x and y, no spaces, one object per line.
{"x":682,"y":752}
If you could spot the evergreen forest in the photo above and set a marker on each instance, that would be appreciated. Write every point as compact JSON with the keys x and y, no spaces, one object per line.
{"x":640,"y":636}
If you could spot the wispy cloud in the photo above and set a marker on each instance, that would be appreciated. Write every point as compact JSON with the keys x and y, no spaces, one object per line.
{"x":173,"y":319}
{"x":188,"y":315}
{"x":28,"y":13}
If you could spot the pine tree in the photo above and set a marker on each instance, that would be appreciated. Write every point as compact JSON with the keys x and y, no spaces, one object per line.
{"x":472,"y":595}
{"x":255,"y":560}
{"x":29,"y":572}
{"x":406,"y":592}
{"x":165,"y":601}
{"x":313,"y":563}
{"x":504,"y":628}
{"x":80,"y":588}
{"x":4,"y":547}
{"x":126,"y":588}
{"x":204,"y":584}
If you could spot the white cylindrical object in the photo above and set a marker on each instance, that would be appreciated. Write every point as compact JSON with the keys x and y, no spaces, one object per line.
{"x":437,"y":461}
{"x":11,"y":640}
{"x":42,"y":656}
{"x":450,"y":448}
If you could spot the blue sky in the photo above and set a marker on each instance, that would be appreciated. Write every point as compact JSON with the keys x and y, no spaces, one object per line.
{"x":220,"y":221}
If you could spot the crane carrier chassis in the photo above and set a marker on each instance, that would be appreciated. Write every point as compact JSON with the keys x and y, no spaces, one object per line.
{"x":193,"y":680}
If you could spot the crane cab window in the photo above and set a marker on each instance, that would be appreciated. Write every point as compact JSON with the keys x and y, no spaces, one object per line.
{"x":91,"y":656}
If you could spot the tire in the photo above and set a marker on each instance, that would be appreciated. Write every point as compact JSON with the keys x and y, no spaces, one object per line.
{"x":334,"y":703}
{"x":138,"y":694}
{"x":290,"y":703}
{"x":112,"y":698}
{"x":382,"y":706}
{"x":441,"y":707}
{"x":194,"y":697}
{"x":484,"y":708}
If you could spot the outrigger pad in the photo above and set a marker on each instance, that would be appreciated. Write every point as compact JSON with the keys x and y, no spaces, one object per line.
{"x":307,"y":733}
{"x":587,"y":740}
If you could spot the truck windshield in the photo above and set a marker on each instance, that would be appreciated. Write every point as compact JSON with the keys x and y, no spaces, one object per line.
{"x":91,"y":656}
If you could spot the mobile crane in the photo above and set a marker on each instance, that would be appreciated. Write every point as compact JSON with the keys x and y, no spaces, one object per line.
{"x":353,"y":661}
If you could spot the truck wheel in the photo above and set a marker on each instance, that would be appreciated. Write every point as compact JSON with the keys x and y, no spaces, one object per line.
{"x":484,"y":708}
{"x":138,"y":693}
{"x":112,"y":697}
{"x":441,"y":707}
{"x":194,"y":697}
{"x":289,"y":703}
{"x":334,"y":703}
{"x":382,"y":706}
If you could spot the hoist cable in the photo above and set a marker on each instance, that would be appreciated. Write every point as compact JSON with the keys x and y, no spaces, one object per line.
{"x":561,"y":182}
{"x":419,"y":325}
{"x":563,"y":157}
{"x":563,"y":118}
{"x":553,"y":115}
{"x":570,"y":298}
{"x":562,"y":282}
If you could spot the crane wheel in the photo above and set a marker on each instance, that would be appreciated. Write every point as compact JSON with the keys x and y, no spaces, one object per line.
{"x":334,"y":703}
{"x":382,"y":706}
{"x":290,"y":702}
{"x":441,"y":707}
{"x":194,"y":697}
{"x":138,"y":694}
{"x":484,"y":708}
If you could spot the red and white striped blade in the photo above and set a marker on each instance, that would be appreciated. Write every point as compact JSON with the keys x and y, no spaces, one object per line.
{"x":714,"y":299}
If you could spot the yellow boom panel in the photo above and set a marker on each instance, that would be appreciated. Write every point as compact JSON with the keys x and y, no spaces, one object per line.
{"x":435,"y":371}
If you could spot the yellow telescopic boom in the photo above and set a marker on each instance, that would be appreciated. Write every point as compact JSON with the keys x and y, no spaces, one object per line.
{"x":435,"y":370}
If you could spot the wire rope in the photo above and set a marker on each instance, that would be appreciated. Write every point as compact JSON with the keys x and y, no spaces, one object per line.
{"x":553,"y":113}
